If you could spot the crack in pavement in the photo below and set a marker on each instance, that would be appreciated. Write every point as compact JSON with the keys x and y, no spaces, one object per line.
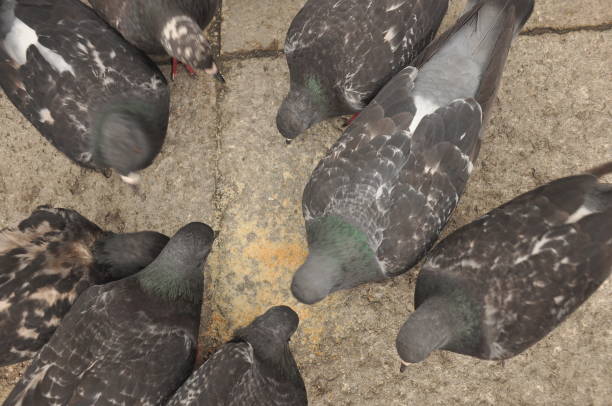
{"x":275,"y":53}
{"x":566,"y":30}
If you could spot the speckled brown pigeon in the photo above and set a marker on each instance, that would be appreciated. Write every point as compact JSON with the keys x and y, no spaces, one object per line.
{"x":342,"y":52}
{"x":129,"y":342}
{"x":378,"y":201}
{"x":172,"y":27}
{"x":498,"y":285}
{"x":47,"y":262}
{"x":256,"y":368}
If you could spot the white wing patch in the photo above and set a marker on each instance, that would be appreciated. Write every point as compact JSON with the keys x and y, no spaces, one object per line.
{"x":578,"y":215}
{"x":395,"y":6}
{"x":45,"y":116}
{"x":424,"y":107}
{"x":21,"y":37}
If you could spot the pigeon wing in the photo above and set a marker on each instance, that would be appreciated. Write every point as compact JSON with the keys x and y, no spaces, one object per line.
{"x":220,"y":380}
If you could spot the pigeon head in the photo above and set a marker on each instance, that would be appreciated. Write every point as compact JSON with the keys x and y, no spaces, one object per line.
{"x":440,"y":322}
{"x":176,"y":273}
{"x":182,"y":39}
{"x":339,"y":258}
{"x":121,"y":255}
{"x":127,"y":139}
{"x":277,"y":324}
{"x":269,"y":335}
{"x":303,"y":107}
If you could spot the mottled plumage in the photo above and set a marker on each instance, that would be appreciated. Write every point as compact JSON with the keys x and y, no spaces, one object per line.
{"x":378,"y":201}
{"x":256,"y":368}
{"x":159,"y":27}
{"x":500,"y":284}
{"x":129,"y":342}
{"x":47,"y":262}
{"x":342,"y":52}
{"x":95,"y":97}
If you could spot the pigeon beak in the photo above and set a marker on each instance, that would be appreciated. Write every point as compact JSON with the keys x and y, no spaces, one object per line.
{"x":403,"y":367}
{"x":131,"y":179}
{"x":214,"y":72}
{"x":288,"y":141}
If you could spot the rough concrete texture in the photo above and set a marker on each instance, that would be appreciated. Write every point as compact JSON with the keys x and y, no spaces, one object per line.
{"x":225,"y":163}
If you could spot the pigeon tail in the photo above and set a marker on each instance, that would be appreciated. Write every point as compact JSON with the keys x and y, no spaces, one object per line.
{"x":121,"y":255}
{"x":432,"y":326}
{"x":176,"y":274}
{"x":182,"y":39}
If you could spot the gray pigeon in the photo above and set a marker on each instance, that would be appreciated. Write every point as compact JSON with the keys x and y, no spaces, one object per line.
{"x":160,"y":27}
{"x":47,"y":262}
{"x":497,"y":286}
{"x":96,"y":98}
{"x":256,"y":368}
{"x":129,"y":342}
{"x":342,"y":52}
{"x":378,"y":201}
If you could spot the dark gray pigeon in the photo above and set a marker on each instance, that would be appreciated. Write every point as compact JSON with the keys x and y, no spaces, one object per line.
{"x":342,"y":52}
{"x":47,"y":262}
{"x":96,"y":98}
{"x":497,"y":286}
{"x":256,"y":368}
{"x":129,"y":342}
{"x":160,"y":27}
{"x":378,"y":201}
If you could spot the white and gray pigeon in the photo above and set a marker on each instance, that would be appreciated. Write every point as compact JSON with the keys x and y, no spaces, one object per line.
{"x":498,"y":285}
{"x":47,"y":261}
{"x":128,"y":342}
{"x":160,"y":27}
{"x":378,"y":201}
{"x":95,"y":97}
{"x":342,"y":52}
{"x":256,"y":368}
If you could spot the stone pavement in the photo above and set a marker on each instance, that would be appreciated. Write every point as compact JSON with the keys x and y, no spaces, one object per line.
{"x":224,"y":163}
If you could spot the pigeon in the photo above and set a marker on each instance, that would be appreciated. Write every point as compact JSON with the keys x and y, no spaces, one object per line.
{"x":256,"y":368}
{"x":47,"y":261}
{"x":96,"y":98}
{"x":128,"y":342}
{"x":159,"y":27}
{"x":498,"y":285}
{"x":342,"y":52}
{"x":378,"y":201}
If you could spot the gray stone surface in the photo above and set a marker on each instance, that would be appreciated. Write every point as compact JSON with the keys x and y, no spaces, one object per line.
{"x":225,"y":163}
{"x":256,"y":25}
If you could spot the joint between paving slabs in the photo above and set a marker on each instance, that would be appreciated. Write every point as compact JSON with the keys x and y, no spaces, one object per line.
{"x":566,"y":30}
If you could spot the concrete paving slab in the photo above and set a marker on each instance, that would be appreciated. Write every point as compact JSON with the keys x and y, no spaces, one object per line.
{"x":260,"y":189}
{"x":256,"y":25}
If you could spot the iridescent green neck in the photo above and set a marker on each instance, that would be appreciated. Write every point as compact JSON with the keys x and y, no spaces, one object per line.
{"x":169,"y":281}
{"x":334,"y":237}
